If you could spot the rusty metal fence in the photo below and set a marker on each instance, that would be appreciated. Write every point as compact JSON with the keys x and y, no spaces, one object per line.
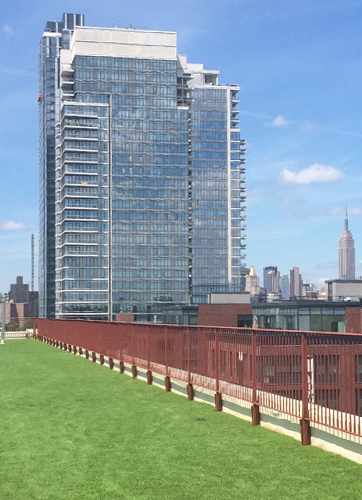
{"x":313,"y":376}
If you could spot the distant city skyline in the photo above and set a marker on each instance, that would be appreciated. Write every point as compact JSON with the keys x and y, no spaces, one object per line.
{"x":303,"y":146}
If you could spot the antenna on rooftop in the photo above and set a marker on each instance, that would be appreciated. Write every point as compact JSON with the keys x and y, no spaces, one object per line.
{"x":32,"y":262}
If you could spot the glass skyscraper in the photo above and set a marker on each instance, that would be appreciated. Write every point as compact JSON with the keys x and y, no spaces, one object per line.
{"x":346,"y":254}
{"x":55,"y":37}
{"x":142,"y":172}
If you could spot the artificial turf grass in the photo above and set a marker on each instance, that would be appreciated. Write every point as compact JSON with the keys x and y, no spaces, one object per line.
{"x":72,"y":429}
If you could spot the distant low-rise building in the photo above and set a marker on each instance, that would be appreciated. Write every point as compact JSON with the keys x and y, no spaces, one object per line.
{"x":306,"y":315}
{"x":226,"y":309}
{"x":21,"y":304}
{"x":344,"y":290}
{"x":19,"y":291}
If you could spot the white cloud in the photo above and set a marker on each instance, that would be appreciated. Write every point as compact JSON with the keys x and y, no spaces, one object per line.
{"x":330,"y":264}
{"x":322,"y":281}
{"x":314,"y":173}
{"x":254,"y":115}
{"x":298,"y":215}
{"x":306,"y":126}
{"x":9,"y":225}
{"x":286,"y":200}
{"x":7,"y":70}
{"x":302,"y":125}
{"x":280,"y":121}
{"x":256,"y":193}
{"x":7,"y":29}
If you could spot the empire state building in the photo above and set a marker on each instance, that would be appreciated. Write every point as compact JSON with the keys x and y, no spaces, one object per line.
{"x":346,"y":253}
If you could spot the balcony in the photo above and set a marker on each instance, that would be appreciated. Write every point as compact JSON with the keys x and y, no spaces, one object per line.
{"x":67,"y":69}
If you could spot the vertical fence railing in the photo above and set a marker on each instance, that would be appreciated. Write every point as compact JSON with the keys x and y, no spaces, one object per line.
{"x":218,"y":400}
{"x":304,"y":422}
{"x":190,"y":389}
{"x":167,"y":377}
{"x":255,"y":403}
{"x":149,"y":373}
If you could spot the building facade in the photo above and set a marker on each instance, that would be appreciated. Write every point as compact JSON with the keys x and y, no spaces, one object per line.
{"x":252,"y":282}
{"x":19,"y":291}
{"x":269,"y":274}
{"x":148,"y":177}
{"x":344,"y":290}
{"x":284,"y":287}
{"x":308,"y":315}
{"x":55,"y":37}
{"x":346,"y":254}
{"x":295,"y":283}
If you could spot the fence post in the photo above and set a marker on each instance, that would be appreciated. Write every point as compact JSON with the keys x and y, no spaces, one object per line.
{"x":255,"y":410}
{"x":121,"y":362}
{"x":149,"y":373}
{"x":304,"y":421}
{"x":134,"y":367}
{"x":167,"y":377}
{"x":218,"y":399}
{"x":190,"y":389}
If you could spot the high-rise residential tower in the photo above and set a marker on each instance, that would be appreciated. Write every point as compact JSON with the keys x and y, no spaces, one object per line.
{"x":56,"y":36}
{"x":295,"y":283}
{"x":148,"y":175}
{"x":284,"y":287}
{"x":346,"y":253}
{"x":269,"y":274}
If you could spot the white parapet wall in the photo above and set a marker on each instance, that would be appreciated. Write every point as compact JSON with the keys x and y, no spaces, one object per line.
{"x":123,"y":42}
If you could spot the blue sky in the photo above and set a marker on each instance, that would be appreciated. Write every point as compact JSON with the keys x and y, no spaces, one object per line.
{"x":299,"y":65}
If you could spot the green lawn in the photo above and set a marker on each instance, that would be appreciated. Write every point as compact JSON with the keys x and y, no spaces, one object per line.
{"x":71,"y":429}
